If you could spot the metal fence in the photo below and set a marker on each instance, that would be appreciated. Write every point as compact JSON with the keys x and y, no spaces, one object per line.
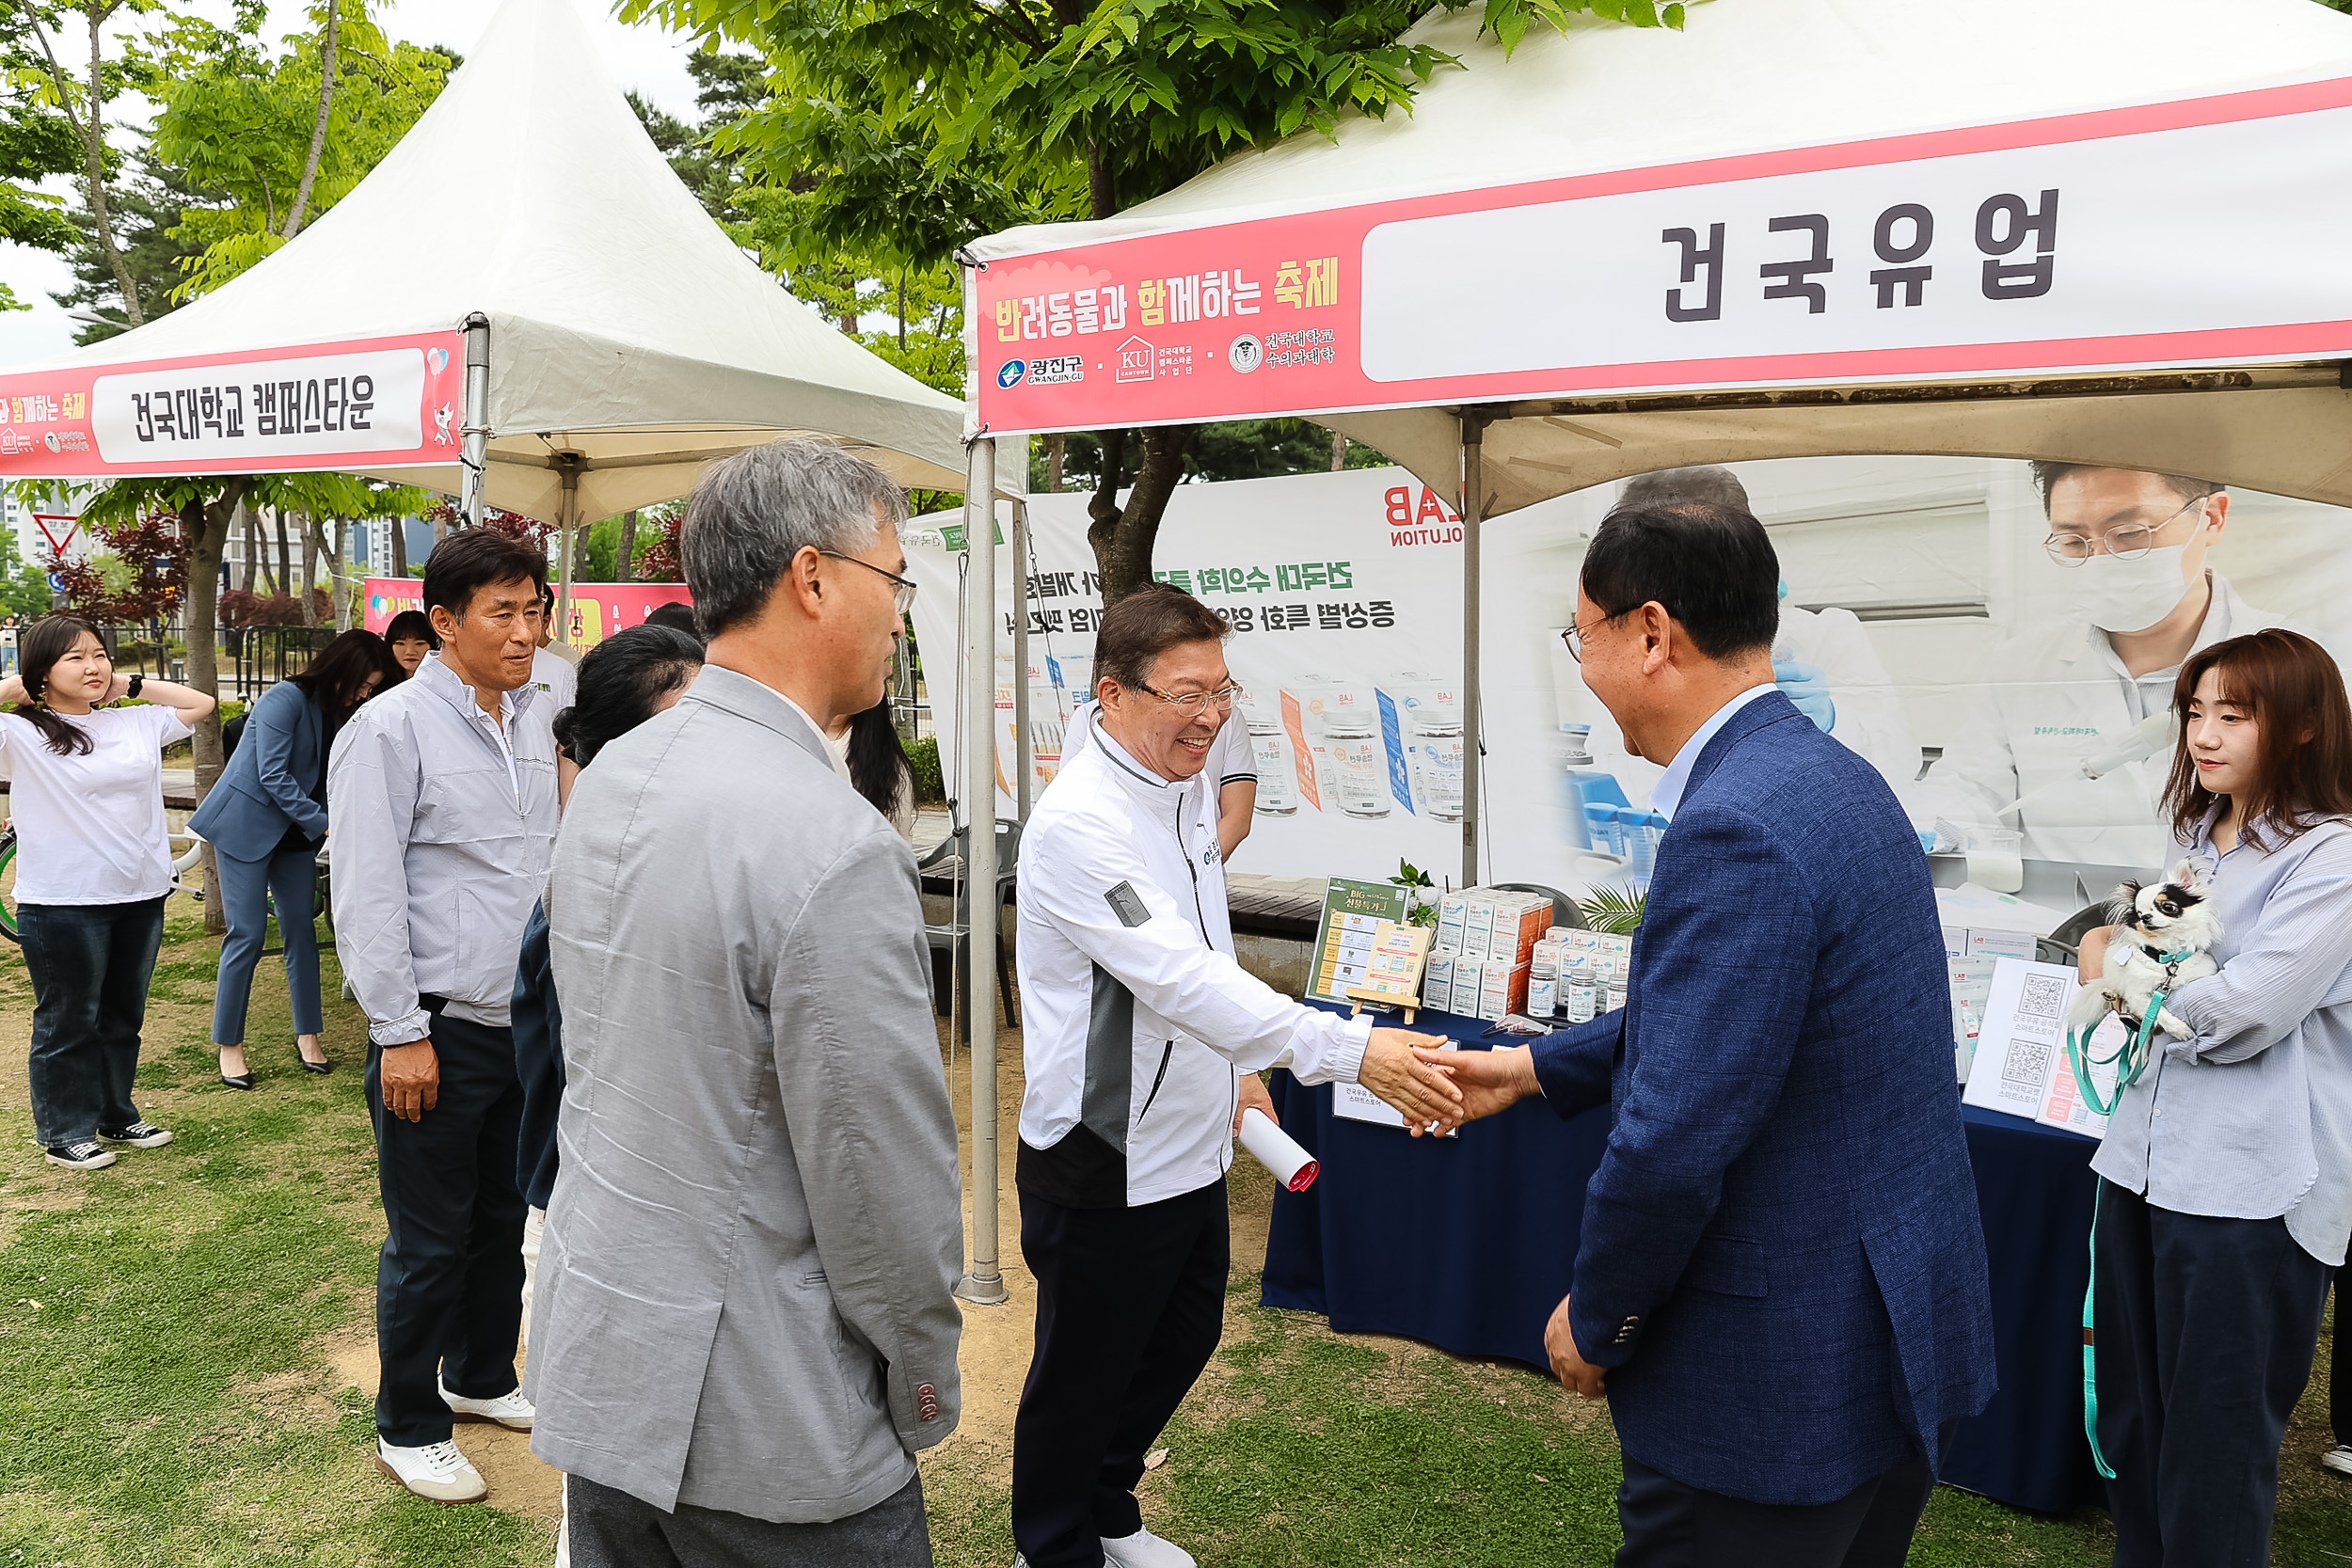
{"x":251,"y":661}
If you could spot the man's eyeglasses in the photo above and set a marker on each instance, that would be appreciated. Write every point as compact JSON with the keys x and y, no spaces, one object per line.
{"x":1574,"y":636}
{"x":904,"y":596}
{"x":2128,"y":543}
{"x":1192,"y":704}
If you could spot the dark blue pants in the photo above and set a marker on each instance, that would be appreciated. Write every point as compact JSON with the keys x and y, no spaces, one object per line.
{"x":1672,"y":1524}
{"x":245,"y":890}
{"x":611,"y":1529}
{"x":90,"y":964}
{"x":2340,"y":1373}
{"x":448,"y":1283}
{"x":1130,"y":1304}
{"x":2206,"y":1329}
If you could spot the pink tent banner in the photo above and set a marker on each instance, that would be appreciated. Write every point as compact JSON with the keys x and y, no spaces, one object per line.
{"x":2033,"y":246}
{"x":597,"y":611}
{"x":369,"y":403}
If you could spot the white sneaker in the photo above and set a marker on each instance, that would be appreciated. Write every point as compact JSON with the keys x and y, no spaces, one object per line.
{"x":2339,"y":1459}
{"x":1144,"y":1551}
{"x":435,"y":1472}
{"x":511,"y":1411}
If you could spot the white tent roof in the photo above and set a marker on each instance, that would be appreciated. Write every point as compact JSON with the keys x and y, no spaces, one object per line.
{"x":1750,"y":76}
{"x":625,"y":325}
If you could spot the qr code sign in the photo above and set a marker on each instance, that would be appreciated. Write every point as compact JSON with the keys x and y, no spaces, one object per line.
{"x":2045,"y":996}
{"x":2027,"y":1066}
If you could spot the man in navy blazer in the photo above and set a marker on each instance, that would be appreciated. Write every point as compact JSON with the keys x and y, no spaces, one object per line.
{"x":1781,"y":1280}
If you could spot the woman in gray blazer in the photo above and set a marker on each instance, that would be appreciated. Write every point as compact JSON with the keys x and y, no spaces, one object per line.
{"x":265,"y":818}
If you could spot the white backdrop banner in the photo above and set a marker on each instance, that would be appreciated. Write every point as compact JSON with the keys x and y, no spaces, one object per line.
{"x":1924,"y":620}
{"x":1344,"y":592}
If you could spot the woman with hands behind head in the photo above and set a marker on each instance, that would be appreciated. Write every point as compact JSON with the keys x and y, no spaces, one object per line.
{"x":93,"y":869}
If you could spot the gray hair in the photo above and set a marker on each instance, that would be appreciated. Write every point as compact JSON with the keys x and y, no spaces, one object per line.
{"x":1712,"y":486}
{"x":753,"y":512}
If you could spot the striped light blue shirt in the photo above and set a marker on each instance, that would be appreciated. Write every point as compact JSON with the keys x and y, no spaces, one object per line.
{"x":2252,"y":1117}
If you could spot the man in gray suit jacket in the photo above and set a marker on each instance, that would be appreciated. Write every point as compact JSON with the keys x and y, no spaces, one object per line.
{"x":743,"y":1330}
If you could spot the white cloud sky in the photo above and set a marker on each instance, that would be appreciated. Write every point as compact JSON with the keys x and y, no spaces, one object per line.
{"x":641,"y":58}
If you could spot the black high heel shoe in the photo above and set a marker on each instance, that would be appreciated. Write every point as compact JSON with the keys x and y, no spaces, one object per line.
{"x":322,"y":1069}
{"x":243,"y":1081}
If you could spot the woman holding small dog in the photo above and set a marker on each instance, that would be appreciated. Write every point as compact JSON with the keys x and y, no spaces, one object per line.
{"x":2225,"y":1193}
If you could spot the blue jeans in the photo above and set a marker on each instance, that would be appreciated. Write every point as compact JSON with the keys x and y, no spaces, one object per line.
{"x":245,"y":887}
{"x":90,"y":964}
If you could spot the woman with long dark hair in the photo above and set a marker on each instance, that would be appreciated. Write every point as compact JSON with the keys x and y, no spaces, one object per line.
{"x":2225,"y":1192}
{"x":409,"y":634}
{"x":265,"y":817}
{"x":93,"y":867}
{"x":879,"y":768}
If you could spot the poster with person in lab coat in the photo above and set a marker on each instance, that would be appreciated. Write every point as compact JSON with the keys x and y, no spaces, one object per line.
{"x":2088,"y":689}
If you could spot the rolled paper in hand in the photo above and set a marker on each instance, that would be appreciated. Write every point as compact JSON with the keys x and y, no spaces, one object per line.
{"x":1278,"y":1152}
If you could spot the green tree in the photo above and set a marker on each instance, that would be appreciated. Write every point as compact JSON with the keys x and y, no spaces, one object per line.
{"x":36,"y":141}
{"x":145,"y":203}
{"x":272,"y":142}
{"x":911,"y":125}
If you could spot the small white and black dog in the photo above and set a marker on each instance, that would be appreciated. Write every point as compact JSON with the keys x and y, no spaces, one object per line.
{"x":2153,"y":924}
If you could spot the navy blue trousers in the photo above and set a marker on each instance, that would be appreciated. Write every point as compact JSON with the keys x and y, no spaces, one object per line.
{"x":2205,"y":1330}
{"x":1130,"y":1304}
{"x":1671,"y":1524}
{"x":89,"y":965}
{"x":245,"y":890}
{"x":448,"y":1283}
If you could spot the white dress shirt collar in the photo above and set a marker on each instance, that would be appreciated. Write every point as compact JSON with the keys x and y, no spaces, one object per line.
{"x":1666,"y":794}
{"x":839,"y":755}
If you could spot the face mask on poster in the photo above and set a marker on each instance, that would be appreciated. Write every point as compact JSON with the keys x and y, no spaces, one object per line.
{"x":2117,"y":595}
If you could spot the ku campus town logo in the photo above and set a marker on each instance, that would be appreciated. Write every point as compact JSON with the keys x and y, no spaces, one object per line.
{"x":1010,"y":375}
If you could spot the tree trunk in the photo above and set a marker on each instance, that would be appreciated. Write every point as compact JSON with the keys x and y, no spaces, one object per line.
{"x":207,"y":525}
{"x":626,"y":563}
{"x":92,"y":125}
{"x":253,"y":541}
{"x":330,"y":545}
{"x":1339,"y":452}
{"x":1057,"y":451}
{"x":285,"y":554}
{"x":400,"y":542}
{"x":318,"y":131}
{"x":309,"y":570}
{"x":1122,"y":537}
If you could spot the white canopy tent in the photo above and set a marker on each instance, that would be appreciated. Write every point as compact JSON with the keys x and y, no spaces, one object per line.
{"x":2105,"y":231}
{"x":629,"y":341}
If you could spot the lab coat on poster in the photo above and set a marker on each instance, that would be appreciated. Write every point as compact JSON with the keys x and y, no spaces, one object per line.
{"x":2049,"y":700}
{"x":1869,"y":715}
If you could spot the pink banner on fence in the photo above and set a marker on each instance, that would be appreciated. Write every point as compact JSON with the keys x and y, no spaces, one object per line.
{"x":598,"y":609}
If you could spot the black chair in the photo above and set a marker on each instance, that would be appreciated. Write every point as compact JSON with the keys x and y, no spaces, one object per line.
{"x":2064,"y":945}
{"x":1565,"y":911}
{"x":948,"y":942}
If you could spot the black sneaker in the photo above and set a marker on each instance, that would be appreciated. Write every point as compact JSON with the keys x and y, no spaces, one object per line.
{"x":80,"y":1156}
{"x":139,"y":1135}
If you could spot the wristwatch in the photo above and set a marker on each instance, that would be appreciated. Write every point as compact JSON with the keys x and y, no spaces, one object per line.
{"x":131,"y":691}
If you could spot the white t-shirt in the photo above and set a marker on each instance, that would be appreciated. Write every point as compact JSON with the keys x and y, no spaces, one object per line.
{"x":560,"y":681}
{"x":89,"y":830}
{"x":1230,"y":760}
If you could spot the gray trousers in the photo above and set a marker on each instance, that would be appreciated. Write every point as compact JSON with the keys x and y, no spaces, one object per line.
{"x":611,"y":1529}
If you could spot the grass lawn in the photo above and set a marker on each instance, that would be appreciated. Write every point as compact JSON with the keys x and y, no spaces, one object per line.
{"x":179,"y":1337}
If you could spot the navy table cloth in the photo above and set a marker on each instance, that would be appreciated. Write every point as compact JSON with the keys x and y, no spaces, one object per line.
{"x":1468,"y":1243}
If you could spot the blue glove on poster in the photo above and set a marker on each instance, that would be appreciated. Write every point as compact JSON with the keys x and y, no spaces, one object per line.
{"x":1807,"y":685}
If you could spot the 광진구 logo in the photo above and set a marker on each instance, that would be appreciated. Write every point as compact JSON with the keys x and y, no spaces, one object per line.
{"x":1010,"y":375}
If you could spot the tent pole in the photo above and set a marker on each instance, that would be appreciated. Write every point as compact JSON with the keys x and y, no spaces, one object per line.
{"x":475,"y":433}
{"x":985,"y":1283}
{"x":1024,"y":749}
{"x":1473,"y":503}
{"x":569,"y":520}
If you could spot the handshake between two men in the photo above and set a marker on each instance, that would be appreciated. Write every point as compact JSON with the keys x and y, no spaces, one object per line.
{"x":1437,"y":1087}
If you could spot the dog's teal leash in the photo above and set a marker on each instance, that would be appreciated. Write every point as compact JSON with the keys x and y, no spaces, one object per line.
{"x":2132,"y":1058}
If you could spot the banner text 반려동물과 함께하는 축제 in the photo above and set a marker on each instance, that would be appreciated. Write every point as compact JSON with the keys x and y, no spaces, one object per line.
{"x":369,"y":404}
{"x":2021,"y":247}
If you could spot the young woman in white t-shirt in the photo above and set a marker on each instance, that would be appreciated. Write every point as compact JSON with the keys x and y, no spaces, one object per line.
{"x":93,"y":867}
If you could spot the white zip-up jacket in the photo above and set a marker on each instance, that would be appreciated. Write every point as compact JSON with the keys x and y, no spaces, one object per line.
{"x":1135,"y":1016}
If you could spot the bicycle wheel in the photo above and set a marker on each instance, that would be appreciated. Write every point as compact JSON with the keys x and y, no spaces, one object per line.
{"x":7,"y":883}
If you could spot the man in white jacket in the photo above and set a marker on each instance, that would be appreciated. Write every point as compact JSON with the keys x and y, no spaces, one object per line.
{"x":1142,"y":1044}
